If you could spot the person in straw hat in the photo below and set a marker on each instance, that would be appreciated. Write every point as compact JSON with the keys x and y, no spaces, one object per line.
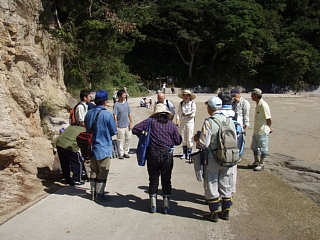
{"x":185,"y":121}
{"x":164,"y":136}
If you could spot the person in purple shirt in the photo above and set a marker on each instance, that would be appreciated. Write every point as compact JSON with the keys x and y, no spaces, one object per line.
{"x":102,"y":144}
{"x":164,"y":135}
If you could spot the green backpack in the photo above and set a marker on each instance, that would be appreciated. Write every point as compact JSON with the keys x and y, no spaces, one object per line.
{"x":227,"y":152}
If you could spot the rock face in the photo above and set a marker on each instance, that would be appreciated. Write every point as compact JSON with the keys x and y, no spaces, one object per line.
{"x":31,"y":75}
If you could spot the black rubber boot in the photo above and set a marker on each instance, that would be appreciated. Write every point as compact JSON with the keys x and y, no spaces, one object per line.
{"x":213,"y":216}
{"x":184,"y":149}
{"x":226,"y":204}
{"x":189,"y":151}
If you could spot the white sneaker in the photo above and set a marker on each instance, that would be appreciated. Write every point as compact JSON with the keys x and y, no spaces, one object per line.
{"x":259,"y":168}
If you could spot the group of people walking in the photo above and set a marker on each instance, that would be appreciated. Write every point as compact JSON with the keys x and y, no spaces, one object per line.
{"x":165,"y":135}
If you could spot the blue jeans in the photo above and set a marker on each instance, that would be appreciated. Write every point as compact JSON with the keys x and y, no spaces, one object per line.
{"x":259,"y":145}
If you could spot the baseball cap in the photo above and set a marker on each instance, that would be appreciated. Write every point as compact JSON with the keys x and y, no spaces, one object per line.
{"x":214,"y":102}
{"x":256,"y":91}
{"x":235,"y":91}
{"x":101,"y":95}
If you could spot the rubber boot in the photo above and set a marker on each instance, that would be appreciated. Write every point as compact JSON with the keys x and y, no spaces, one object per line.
{"x":100,"y":186}
{"x":153,"y":201}
{"x":226,"y":204}
{"x":189,"y":154}
{"x":261,"y":165}
{"x":166,"y":201}
{"x":184,"y":148}
{"x":256,"y":162}
{"x":93,"y":188}
{"x":213,"y":216}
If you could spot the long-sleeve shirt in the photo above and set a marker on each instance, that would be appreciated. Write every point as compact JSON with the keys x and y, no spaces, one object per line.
{"x":102,"y":134}
{"x":161,"y":134}
{"x":242,"y":108}
{"x":187,"y":111}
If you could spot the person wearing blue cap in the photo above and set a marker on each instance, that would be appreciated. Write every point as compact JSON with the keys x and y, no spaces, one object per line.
{"x":217,"y":179}
{"x":104,"y":129}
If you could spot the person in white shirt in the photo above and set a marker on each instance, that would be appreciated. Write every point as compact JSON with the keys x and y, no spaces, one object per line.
{"x":241,"y":106}
{"x":114,"y":97}
{"x":82,"y":108}
{"x":185,"y":120}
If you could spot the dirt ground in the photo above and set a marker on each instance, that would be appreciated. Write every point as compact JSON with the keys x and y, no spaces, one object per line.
{"x":295,"y":140}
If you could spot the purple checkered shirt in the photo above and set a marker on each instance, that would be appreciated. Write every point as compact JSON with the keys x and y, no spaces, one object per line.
{"x":161,"y":134}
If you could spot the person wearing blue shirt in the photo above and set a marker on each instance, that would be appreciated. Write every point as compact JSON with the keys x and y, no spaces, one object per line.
{"x":102,"y":144}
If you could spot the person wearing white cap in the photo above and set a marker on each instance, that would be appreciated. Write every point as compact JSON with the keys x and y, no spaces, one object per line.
{"x":261,"y":130}
{"x":185,"y":118}
{"x":218,"y":180}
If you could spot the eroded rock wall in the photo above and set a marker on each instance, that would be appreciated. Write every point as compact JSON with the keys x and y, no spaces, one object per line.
{"x":31,"y":73}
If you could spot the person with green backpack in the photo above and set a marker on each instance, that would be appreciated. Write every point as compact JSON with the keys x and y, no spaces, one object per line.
{"x":218,"y":178}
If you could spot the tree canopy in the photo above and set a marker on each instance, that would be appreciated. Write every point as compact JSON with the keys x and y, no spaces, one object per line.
{"x":111,"y":44}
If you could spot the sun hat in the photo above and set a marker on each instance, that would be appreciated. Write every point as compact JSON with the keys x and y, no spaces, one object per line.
{"x":256,"y":91}
{"x":235,"y":91}
{"x":192,"y":96}
{"x":214,"y":102}
{"x":101,"y":95}
{"x":161,"y":108}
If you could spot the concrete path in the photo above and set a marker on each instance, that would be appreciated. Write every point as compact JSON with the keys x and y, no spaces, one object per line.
{"x":264,"y":208}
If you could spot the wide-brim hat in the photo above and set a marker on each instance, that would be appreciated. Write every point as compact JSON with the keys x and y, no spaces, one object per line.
{"x":161,"y":108}
{"x":192,"y":96}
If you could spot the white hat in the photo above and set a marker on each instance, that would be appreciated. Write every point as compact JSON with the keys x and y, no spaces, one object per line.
{"x":192,"y":96}
{"x":161,"y":108}
{"x":257,"y":91}
{"x":214,"y":102}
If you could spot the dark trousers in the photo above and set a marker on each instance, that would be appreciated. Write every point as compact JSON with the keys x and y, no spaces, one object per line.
{"x":67,"y":159}
{"x":159,"y":163}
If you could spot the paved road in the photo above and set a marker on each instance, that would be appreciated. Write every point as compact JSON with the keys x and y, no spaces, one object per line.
{"x":264,"y":208}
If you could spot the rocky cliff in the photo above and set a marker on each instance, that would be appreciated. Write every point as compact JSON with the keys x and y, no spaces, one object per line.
{"x":31,"y":76}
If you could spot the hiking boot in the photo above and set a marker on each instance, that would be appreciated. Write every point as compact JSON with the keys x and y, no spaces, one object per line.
{"x":256,"y":162}
{"x":121,"y":157}
{"x":253,"y":165}
{"x":126,"y":155}
{"x":259,"y":168}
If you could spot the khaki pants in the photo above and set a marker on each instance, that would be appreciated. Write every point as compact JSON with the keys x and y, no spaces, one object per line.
{"x":218,"y":180}
{"x":187,"y":129}
{"x":124,"y":138}
{"x":99,"y":168}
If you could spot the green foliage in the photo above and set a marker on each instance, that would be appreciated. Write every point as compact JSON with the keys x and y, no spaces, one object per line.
{"x":111,"y":44}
